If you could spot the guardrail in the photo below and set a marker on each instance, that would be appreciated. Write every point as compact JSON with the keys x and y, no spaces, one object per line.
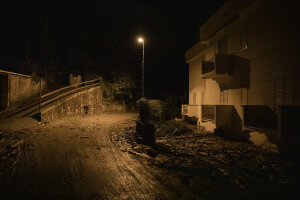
{"x":71,"y":86}
{"x":53,"y":96}
{"x":208,"y":112}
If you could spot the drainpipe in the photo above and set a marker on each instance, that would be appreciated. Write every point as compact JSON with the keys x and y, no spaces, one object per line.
{"x":40,"y":95}
{"x":8,"y":90}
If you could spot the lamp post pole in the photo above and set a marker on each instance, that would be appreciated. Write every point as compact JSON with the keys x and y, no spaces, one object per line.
{"x":141,"y":40}
{"x":143,"y":63}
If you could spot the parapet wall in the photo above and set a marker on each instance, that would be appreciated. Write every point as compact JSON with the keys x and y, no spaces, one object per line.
{"x":87,"y":102}
{"x":22,"y":88}
{"x":16,"y":89}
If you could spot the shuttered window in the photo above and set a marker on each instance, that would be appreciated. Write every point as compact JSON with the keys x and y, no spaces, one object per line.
{"x":285,"y":87}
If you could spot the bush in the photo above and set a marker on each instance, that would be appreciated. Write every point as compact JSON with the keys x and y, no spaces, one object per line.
{"x":144,"y":109}
{"x":172,"y":107}
{"x":157,"y":111}
{"x":151,"y":110}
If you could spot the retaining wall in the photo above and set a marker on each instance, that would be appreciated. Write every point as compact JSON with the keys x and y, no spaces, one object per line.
{"x":17,"y":88}
{"x":87,"y":102}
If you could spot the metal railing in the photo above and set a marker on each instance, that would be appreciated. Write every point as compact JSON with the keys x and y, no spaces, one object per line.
{"x":74,"y":86}
{"x":207,"y":66}
{"x":53,"y":96}
{"x":260,"y":116}
{"x":208,"y":112}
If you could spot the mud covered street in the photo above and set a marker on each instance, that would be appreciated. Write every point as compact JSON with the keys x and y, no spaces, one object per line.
{"x":77,"y":159}
{"x":99,"y":157}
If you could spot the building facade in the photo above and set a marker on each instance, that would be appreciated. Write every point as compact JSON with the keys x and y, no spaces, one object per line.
{"x":244,"y":71}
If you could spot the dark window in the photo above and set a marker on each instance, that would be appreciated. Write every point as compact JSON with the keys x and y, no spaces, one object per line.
{"x":285,"y":89}
{"x":243,"y":39}
{"x":222,"y":46}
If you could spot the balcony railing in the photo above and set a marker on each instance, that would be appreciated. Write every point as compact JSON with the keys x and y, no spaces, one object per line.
{"x":260,"y":116}
{"x":207,"y":67}
{"x":208,"y":112}
{"x":220,"y":65}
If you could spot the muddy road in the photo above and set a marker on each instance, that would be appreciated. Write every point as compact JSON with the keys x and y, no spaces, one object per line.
{"x":84,"y":158}
{"x":101,"y":157}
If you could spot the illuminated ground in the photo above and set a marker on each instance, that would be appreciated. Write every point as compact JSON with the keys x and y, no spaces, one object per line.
{"x":77,"y":159}
{"x":97,"y":157}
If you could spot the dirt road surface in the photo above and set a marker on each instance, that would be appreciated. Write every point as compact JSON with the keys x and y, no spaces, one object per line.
{"x":83,"y":158}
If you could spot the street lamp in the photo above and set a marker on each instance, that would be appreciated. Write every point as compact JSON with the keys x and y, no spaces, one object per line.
{"x":141,"y":40}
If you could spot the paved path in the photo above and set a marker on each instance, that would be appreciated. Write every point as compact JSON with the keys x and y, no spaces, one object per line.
{"x":78,"y":158}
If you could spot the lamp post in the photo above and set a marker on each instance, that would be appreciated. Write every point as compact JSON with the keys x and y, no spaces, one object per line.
{"x":141,"y":40}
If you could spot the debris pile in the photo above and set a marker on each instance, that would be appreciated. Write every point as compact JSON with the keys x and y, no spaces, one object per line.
{"x":11,"y":145}
{"x":249,"y":169}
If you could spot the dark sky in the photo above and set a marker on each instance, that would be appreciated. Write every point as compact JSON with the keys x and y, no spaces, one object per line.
{"x":101,"y":36}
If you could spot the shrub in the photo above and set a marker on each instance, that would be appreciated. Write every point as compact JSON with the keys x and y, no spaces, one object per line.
{"x":151,"y":110}
{"x":157,"y":111}
{"x":172,"y":107}
{"x":144,"y":109}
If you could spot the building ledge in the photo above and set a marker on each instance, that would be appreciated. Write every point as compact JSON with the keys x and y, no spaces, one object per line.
{"x":194,"y":52}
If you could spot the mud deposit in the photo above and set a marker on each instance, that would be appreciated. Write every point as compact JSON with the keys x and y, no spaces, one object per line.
{"x":101,"y":157}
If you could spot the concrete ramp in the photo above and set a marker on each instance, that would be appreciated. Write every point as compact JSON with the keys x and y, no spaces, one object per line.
{"x":76,"y":100}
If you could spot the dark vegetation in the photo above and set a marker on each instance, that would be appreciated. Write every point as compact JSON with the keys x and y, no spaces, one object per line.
{"x":156,"y":115}
{"x":98,"y":38}
{"x":157,"y":110}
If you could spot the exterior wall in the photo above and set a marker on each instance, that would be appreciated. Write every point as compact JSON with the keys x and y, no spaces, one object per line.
{"x":87,"y":102}
{"x":272,"y":49}
{"x":22,"y":88}
{"x":196,"y":85}
{"x":17,"y":88}
{"x":212,"y":92}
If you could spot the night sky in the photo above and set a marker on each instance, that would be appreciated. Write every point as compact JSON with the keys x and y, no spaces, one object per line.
{"x":99,"y":37}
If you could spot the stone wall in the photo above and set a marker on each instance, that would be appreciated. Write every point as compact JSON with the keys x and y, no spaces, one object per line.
{"x":22,"y":88}
{"x":16,"y":89}
{"x":87,"y":102}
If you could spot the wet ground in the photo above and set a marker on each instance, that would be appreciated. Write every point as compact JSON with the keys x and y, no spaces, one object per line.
{"x":100,"y":157}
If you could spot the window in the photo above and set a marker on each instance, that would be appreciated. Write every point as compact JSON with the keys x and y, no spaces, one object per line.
{"x":243,"y":39}
{"x":222,"y":46}
{"x":285,"y":89}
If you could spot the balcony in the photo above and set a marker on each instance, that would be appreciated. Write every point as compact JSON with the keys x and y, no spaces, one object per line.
{"x":260,"y":117}
{"x":208,"y":112}
{"x":229,"y":71}
{"x":220,"y":65}
{"x":284,"y":124}
{"x":207,"y":67}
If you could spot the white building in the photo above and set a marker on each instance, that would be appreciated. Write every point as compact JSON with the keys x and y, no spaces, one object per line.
{"x":244,"y":71}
